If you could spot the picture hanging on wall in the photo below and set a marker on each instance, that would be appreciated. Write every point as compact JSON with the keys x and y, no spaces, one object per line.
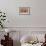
{"x":24,"y":10}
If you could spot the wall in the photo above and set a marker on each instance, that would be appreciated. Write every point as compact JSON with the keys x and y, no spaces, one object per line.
{"x":37,"y":19}
{"x":34,"y":22}
{"x":17,"y":35}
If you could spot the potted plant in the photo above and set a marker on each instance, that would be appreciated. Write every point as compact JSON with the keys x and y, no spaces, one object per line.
{"x":2,"y":19}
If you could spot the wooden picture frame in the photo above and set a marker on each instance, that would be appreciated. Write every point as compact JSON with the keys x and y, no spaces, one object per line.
{"x":24,"y":10}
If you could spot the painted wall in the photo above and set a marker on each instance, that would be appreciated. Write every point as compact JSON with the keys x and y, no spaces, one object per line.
{"x":38,"y":17}
{"x":34,"y":22}
{"x":17,"y":35}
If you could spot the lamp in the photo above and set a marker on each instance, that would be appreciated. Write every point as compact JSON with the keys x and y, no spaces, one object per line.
{"x":7,"y":31}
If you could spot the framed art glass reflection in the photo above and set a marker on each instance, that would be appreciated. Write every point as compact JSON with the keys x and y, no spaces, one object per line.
{"x":24,"y":10}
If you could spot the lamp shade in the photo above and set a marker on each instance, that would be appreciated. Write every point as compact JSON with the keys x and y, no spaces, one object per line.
{"x":7,"y":30}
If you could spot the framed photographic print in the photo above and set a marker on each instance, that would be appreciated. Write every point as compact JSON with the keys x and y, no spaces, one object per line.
{"x":24,"y":10}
